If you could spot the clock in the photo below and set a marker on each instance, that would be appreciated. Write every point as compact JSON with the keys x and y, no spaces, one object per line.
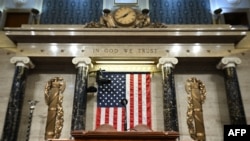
{"x":125,"y":16}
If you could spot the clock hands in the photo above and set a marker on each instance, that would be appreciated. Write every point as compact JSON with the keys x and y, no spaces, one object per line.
{"x":125,"y":15}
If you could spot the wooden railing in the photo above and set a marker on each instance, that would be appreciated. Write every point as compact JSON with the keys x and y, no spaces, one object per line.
{"x":122,"y":136}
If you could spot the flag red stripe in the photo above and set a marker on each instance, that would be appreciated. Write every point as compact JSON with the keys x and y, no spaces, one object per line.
{"x":115,"y":118}
{"x":148,"y":91}
{"x":123,"y":118}
{"x":106,"y":115}
{"x":131,"y":101}
{"x":98,"y":117}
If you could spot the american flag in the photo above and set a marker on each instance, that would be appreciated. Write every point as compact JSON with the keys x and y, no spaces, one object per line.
{"x":135,"y":87}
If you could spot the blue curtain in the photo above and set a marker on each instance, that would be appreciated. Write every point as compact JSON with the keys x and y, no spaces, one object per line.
{"x":161,"y":11}
{"x":180,"y":11}
{"x":71,"y":11}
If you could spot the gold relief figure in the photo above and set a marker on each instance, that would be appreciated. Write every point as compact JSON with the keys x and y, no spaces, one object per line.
{"x":196,"y":96}
{"x":143,"y":19}
{"x":125,"y":16}
{"x":54,"y":98}
{"x":107,"y":19}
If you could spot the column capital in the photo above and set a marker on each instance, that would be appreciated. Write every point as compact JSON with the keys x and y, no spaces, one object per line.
{"x":167,"y":62}
{"x":22,"y":61}
{"x":81,"y":61}
{"x":228,"y":62}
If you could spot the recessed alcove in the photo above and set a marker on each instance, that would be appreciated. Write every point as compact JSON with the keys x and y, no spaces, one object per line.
{"x":185,"y":64}
{"x":15,"y":17}
{"x":236,"y":18}
{"x":53,"y":65}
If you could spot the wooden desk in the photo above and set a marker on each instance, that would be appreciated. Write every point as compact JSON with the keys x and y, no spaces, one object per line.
{"x":122,"y":136}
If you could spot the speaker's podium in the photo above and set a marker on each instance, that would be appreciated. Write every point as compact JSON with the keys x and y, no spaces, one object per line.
{"x":139,"y":133}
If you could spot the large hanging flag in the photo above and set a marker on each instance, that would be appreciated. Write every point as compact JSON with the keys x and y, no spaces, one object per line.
{"x":136,"y":88}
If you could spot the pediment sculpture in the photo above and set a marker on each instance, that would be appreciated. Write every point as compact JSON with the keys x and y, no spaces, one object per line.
{"x":125,"y":17}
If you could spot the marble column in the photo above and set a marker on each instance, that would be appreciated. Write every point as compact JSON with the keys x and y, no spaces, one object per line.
{"x":14,"y":109}
{"x":169,"y":95}
{"x":80,"y":95}
{"x":234,"y":100}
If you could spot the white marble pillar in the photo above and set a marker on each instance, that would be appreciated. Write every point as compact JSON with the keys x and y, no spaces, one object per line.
{"x":169,"y":94}
{"x":80,"y":95}
{"x":234,"y":100}
{"x":13,"y":114}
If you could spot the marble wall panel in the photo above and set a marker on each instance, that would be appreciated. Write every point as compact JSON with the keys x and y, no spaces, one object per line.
{"x":5,"y":85}
{"x":157,"y":102}
{"x":211,"y":109}
{"x":35,"y":91}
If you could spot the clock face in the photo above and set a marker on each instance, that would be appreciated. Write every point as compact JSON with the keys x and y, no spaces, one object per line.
{"x":125,"y":16}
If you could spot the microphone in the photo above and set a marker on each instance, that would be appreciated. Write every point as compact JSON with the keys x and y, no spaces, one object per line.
{"x":100,"y":79}
{"x":124,"y":102}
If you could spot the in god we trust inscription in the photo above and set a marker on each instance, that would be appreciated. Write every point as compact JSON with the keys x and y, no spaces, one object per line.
{"x":125,"y":52}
